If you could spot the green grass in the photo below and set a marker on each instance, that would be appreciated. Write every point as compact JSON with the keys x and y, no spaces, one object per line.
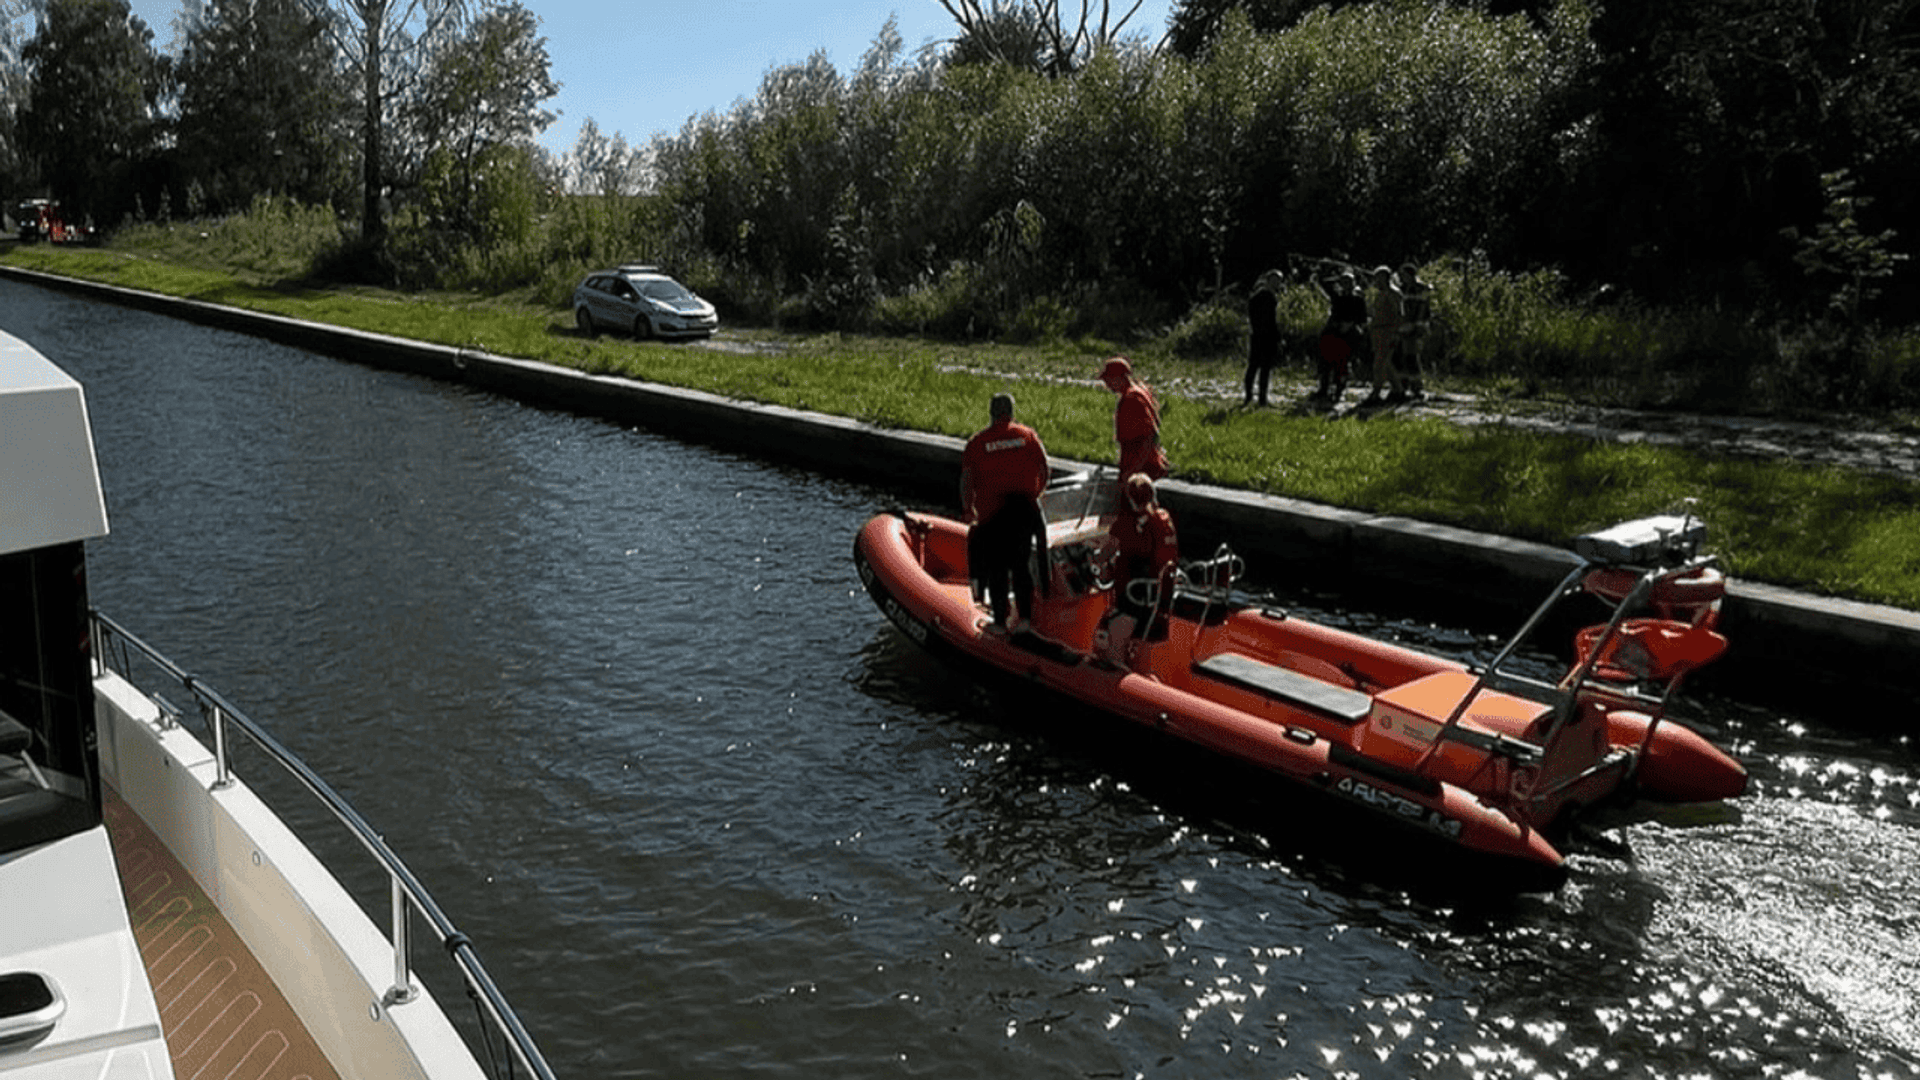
{"x":1826,"y":530}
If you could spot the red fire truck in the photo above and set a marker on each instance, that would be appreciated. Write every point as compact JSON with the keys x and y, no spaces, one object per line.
{"x":40,"y":219}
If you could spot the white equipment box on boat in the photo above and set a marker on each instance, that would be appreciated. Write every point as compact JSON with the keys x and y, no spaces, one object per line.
{"x":1649,"y":541}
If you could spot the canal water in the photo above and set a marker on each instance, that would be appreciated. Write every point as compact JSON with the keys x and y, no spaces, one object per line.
{"x":622,"y":703}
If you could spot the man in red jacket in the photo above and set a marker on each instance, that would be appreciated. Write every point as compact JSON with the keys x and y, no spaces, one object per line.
{"x":1136,"y":422}
{"x":1003,"y":470}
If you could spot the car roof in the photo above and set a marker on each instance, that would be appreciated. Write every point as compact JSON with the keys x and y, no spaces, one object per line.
{"x":633,"y":273}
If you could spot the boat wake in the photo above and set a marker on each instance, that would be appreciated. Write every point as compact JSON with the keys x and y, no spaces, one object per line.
{"x":1818,"y":900}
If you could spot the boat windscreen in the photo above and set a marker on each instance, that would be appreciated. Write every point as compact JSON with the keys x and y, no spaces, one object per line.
{"x":1085,"y":498}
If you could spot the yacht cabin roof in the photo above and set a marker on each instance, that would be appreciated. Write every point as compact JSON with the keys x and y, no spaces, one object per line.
{"x":49,"y":480}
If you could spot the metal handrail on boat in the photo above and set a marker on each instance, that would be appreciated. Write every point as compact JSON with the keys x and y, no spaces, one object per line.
{"x":1563,"y":697}
{"x":1490,"y":672}
{"x":408,"y":894}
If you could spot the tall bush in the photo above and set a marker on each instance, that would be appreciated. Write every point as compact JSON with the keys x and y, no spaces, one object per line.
{"x":1393,"y":129}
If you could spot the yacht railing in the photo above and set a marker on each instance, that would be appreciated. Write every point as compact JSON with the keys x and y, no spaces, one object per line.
{"x":113,"y":642}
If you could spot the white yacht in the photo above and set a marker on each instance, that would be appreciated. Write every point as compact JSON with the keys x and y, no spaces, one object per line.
{"x":157,"y":918}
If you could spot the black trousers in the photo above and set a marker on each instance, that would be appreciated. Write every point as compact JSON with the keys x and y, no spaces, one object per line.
{"x":1260,"y":362}
{"x":1000,"y":552}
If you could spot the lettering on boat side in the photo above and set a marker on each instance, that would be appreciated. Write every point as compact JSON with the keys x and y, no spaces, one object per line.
{"x":1381,"y":799}
{"x":908,"y":625}
{"x":896,"y":614}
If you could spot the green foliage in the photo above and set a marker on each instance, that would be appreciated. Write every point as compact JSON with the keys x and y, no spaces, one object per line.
{"x":1528,"y":334}
{"x":476,"y":225}
{"x":1195,"y":25}
{"x":478,"y":109}
{"x":1840,"y":255}
{"x":388,"y":47}
{"x":1718,"y":118}
{"x":1004,"y":35}
{"x":1673,"y":144}
{"x":1131,"y":194}
{"x":88,"y":120}
{"x":1031,"y":35}
{"x":1042,"y":318}
{"x":489,"y":86}
{"x":1421,"y":126}
{"x":262,"y":108}
{"x":956,"y":304}
{"x":276,"y":240}
{"x":1213,"y":331}
{"x":1174,"y":175}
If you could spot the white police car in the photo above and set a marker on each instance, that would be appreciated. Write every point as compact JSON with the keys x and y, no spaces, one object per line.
{"x":644,"y":301}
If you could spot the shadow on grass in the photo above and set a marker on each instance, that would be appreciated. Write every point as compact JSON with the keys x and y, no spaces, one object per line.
{"x":1837,"y":531}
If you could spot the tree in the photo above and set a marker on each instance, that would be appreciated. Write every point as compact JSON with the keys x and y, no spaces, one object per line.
{"x":91,"y":114}
{"x":1195,"y":24}
{"x":264,"y":109}
{"x":485,"y":91}
{"x":1716,"y":120}
{"x":1842,"y":256}
{"x":1004,"y":34}
{"x":1033,"y":34}
{"x":598,"y":163}
{"x":13,"y":91}
{"x":386,"y":43}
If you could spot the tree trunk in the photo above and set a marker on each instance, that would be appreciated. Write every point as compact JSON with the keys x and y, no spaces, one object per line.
{"x":373,"y":225}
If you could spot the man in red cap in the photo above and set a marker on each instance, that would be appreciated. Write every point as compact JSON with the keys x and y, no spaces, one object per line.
{"x":1136,"y":421}
{"x":1003,"y":470}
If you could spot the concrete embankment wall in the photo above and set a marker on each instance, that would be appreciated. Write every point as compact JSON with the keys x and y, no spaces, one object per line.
{"x":1786,"y":645}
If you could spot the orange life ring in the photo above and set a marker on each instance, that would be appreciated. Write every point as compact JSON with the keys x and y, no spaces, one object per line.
{"x":1695,"y":589}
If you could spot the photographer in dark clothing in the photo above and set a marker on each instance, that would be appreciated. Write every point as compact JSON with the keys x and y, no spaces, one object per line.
{"x":1263,"y":335}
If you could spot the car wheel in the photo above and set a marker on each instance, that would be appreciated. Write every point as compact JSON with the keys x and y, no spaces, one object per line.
{"x":584,"y":320}
{"x":642,"y":327}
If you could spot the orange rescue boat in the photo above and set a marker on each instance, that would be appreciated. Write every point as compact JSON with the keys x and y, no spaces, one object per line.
{"x":1479,"y":759}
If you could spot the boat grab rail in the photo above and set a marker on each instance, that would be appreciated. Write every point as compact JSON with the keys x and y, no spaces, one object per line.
{"x":1563,"y":696}
{"x":1632,"y":601}
{"x":1583,"y":671}
{"x":1490,"y":673}
{"x":1208,"y":580}
{"x":407,"y":892}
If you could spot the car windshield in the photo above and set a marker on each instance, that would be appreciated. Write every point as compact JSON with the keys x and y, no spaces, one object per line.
{"x":671,"y":291}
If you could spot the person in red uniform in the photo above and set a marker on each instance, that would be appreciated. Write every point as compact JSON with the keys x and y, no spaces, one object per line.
{"x":1136,"y":421}
{"x":1003,"y":470}
{"x":1145,"y":549}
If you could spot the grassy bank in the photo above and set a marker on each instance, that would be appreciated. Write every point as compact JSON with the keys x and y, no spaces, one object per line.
{"x":1826,"y":530}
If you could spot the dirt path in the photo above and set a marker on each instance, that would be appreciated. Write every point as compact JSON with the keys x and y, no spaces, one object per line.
{"x":1745,"y":436}
{"x":1844,"y":441}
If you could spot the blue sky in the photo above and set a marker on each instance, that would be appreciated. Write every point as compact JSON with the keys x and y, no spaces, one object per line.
{"x":647,"y":66}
